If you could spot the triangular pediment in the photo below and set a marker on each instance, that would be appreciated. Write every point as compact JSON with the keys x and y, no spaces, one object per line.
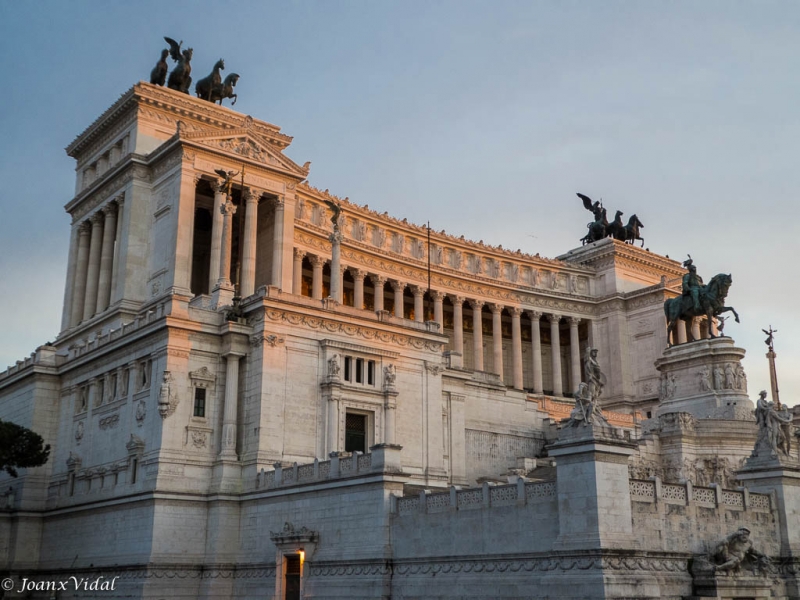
{"x":246,"y":143}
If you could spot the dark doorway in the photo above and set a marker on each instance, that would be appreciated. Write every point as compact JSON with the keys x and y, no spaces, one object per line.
{"x":292,"y":577}
{"x":355,"y":433}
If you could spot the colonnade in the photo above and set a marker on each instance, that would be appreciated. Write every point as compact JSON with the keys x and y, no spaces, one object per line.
{"x":96,"y":253}
{"x":477,"y":305}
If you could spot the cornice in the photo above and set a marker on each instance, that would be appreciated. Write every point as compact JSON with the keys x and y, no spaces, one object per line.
{"x":609,"y":251}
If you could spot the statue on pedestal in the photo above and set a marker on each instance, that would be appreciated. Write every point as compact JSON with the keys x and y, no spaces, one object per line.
{"x":594,"y":377}
{"x":775,"y":429}
{"x":698,"y":300}
{"x":587,"y":406}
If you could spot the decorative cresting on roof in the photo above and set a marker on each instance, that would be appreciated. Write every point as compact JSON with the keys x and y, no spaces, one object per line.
{"x":182,"y":105}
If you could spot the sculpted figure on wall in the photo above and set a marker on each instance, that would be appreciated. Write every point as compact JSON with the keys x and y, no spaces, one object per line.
{"x":333,"y":367}
{"x":733,"y":554}
{"x":719,"y":377}
{"x":730,"y":377}
{"x":705,"y":378}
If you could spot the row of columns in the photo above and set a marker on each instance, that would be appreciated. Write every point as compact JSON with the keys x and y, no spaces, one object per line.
{"x":378,"y":281}
{"x":96,"y":262}
{"x":222,"y":236}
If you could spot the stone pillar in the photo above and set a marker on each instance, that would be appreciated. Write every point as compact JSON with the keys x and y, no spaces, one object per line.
{"x":229,"y":418}
{"x":377,"y":284}
{"x":297,"y":272}
{"x":680,"y":327}
{"x":248,"y":275}
{"x":69,"y":284}
{"x":93,"y":272}
{"x":438,"y":308}
{"x":574,"y":354}
{"x":389,"y":410}
{"x":106,"y":257}
{"x":477,"y":335}
{"x":216,"y":234}
{"x":516,"y":347}
{"x":458,"y":324}
{"x":555,"y":351}
{"x":536,"y":351}
{"x":497,"y":339}
{"x":227,"y":210}
{"x":399,"y":308}
{"x":81,"y":268}
{"x":695,"y":329}
{"x":317,"y":263}
{"x":333,"y":424}
{"x":419,"y":308}
{"x":358,"y":287}
{"x":336,"y":266}
{"x":117,"y":239}
{"x":277,"y":245}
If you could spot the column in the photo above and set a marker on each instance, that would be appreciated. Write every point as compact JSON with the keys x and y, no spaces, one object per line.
{"x":229,"y":417}
{"x":358,"y":287}
{"x":316,"y":281}
{"x":536,"y":349}
{"x":227,"y":210}
{"x":680,"y":327}
{"x":458,"y":324}
{"x":297,"y":272}
{"x":516,"y":347}
{"x":389,"y":406}
{"x":555,"y":351}
{"x":438,"y":308}
{"x":336,"y":266}
{"x":81,"y":267}
{"x":377,"y":284}
{"x":574,"y":353}
{"x":277,"y":244}
{"x":398,"y":287}
{"x":497,"y":338}
{"x":248,"y":275}
{"x":216,"y":234}
{"x":333,"y":422}
{"x":93,"y":272}
{"x":419,"y":303}
{"x":106,"y":257}
{"x":477,"y":335}
{"x":696,"y":328}
{"x":117,"y":239}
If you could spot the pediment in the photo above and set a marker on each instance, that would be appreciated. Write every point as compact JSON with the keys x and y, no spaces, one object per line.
{"x":244,"y":142}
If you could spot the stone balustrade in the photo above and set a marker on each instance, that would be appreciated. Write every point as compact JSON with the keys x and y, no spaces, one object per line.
{"x":486,"y":496}
{"x":654,"y":490}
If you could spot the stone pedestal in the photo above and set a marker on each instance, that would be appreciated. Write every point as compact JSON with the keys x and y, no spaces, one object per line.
{"x":724,"y":587}
{"x":704,"y":378}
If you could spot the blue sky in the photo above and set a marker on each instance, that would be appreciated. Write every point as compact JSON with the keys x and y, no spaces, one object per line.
{"x":483,"y":117}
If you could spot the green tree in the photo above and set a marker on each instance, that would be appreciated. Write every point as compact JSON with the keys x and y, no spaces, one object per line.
{"x":20,"y":448}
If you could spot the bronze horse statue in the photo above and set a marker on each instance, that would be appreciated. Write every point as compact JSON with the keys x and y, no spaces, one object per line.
{"x":712,"y":304}
{"x":225,"y":89}
{"x":616,"y":229}
{"x":597,"y":229}
{"x":632,"y":231}
{"x":180,"y":79}
{"x":206,"y":85}
{"x":158,"y":76}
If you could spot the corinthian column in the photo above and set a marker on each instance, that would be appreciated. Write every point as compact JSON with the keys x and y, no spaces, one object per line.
{"x":227,"y":210}
{"x":297,"y":272}
{"x":377,"y":284}
{"x":216,"y":234}
{"x":574,"y":353}
{"x":458,"y":324}
{"x":336,"y":265}
{"x":497,"y":338}
{"x":477,"y":335}
{"x":277,"y":244}
{"x":93,"y":273}
{"x":419,"y":308}
{"x":555,"y":351}
{"x":248,"y":276}
{"x":114,"y":296}
{"x":399,"y":309}
{"x":317,"y":262}
{"x":358,"y":287}
{"x":516,"y":347}
{"x":536,"y":349}
{"x":438,"y":308}
{"x":106,"y":257}
{"x":81,"y":268}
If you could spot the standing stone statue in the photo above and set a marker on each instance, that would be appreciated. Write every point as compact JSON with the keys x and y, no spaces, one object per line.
{"x":730,"y":377}
{"x":719,"y":377}
{"x":705,"y":378}
{"x":775,"y":429}
{"x":593,"y":376}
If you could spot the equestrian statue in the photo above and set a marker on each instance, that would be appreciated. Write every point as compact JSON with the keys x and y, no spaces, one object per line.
{"x":698,"y":300}
{"x":600,"y":228}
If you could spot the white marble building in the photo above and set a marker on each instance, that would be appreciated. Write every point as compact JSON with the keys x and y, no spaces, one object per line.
{"x":187,"y":429}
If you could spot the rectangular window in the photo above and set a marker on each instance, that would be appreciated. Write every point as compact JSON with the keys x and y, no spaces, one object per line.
{"x":292,"y":577}
{"x":199,"y":402}
{"x":348,"y":368}
{"x":355,"y":433}
{"x":134,"y":468}
{"x":371,"y":372}
{"x":72,"y":484}
{"x":359,"y":370}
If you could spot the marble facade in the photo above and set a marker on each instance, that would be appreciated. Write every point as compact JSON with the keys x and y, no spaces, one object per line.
{"x":230,"y":392}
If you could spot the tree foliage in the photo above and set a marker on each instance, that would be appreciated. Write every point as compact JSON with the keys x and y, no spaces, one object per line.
{"x":20,"y":448}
